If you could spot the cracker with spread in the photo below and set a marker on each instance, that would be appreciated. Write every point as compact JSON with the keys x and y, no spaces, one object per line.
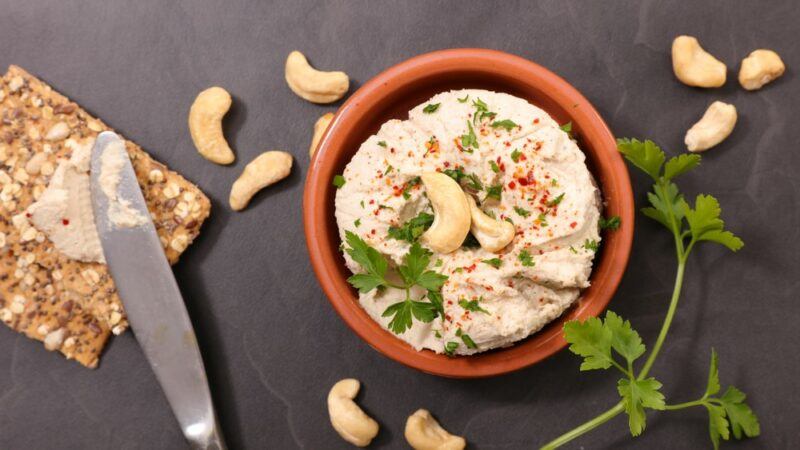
{"x":54,"y":286}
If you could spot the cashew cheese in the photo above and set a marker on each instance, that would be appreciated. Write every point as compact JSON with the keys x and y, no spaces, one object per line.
{"x":518,"y":167}
{"x":64,"y":210}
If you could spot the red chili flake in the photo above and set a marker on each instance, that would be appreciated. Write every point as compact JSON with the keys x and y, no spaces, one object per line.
{"x":372,"y":202}
{"x":28,"y":215}
{"x":511,"y":185}
{"x":377,"y":210}
{"x":448,"y":318}
{"x":372,"y":231}
{"x":573,"y":224}
{"x":536,"y":120}
{"x":447,"y":164}
{"x":541,"y":252}
{"x":470,"y":268}
{"x":449,"y":302}
{"x":65,"y":222}
{"x":391,"y":150}
{"x":489,"y":288}
{"x":522,"y":181}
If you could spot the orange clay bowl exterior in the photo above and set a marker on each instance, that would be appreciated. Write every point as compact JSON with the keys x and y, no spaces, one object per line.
{"x":391,"y":95}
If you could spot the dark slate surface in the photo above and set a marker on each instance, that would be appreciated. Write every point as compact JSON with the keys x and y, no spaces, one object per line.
{"x":272,"y":343}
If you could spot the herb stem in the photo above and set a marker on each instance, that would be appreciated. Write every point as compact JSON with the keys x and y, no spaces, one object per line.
{"x":699,"y":402}
{"x":585,"y":428}
{"x":673,"y":305}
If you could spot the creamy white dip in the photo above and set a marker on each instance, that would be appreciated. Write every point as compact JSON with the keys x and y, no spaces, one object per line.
{"x":546,"y":191}
{"x":64,"y":211}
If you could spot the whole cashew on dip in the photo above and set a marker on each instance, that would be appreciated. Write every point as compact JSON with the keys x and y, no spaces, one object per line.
{"x":500,"y":200}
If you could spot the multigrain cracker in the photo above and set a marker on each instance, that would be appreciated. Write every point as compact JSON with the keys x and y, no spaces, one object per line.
{"x":71,"y":306}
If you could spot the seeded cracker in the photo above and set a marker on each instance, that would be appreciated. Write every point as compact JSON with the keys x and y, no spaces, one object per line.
{"x":71,"y":306}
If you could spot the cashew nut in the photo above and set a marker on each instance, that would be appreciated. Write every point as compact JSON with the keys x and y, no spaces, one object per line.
{"x":266,"y":169}
{"x":314,"y":85}
{"x":423,"y":432}
{"x":205,"y":125}
{"x":347,"y":418}
{"x":451,"y":213}
{"x":715,"y":125}
{"x":759,"y":68}
{"x":494,"y":235}
{"x":694,"y":66}
{"x":319,"y":129}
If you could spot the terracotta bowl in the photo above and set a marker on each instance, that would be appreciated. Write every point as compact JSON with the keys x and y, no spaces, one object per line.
{"x":391,"y":95}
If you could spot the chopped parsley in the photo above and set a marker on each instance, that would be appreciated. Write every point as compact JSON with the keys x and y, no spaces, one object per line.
{"x":431,"y":108}
{"x":456,"y":174}
{"x":567,"y":128}
{"x":591,"y":244}
{"x":507,"y":124}
{"x":465,"y":337}
{"x":362,"y":204}
{"x":556,"y":201}
{"x":450,"y":348}
{"x":542,"y":219}
{"x":463,"y":100}
{"x":410,"y":184}
{"x":412,"y":229}
{"x":388,"y":170}
{"x":522,"y":211}
{"x":472,"y":305}
{"x":382,"y":143}
{"x":357,"y":223}
{"x":494,"y":166}
{"x":611,"y":223}
{"x":515,"y":155}
{"x":474,"y":182}
{"x":494,"y":262}
{"x":469,"y":140}
{"x":481,"y":111}
{"x":338,"y":181}
{"x":495,"y":191}
{"x":526,"y":259}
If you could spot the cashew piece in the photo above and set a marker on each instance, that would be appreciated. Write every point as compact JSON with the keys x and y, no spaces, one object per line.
{"x":759,"y":68}
{"x":205,"y":125}
{"x":694,"y":66}
{"x":494,"y":235}
{"x":451,"y":213}
{"x":347,"y":418}
{"x":423,"y":432}
{"x":715,"y":125}
{"x":314,"y":85}
{"x":319,"y":129}
{"x":266,"y":169}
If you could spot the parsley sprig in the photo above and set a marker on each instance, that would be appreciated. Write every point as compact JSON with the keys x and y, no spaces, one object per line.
{"x":413,"y":272}
{"x":602,"y":343}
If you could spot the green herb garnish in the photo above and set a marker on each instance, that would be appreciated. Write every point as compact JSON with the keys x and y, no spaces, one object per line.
{"x":494,"y":262}
{"x":465,"y":337}
{"x":522,"y":211}
{"x":591,"y":245}
{"x":494,"y":191}
{"x":515,"y":155}
{"x":472,"y":305}
{"x":463,"y":100}
{"x":338,"y":181}
{"x":507,"y":124}
{"x":601,"y":342}
{"x":493,"y":165}
{"x":469,"y":140}
{"x":431,"y":108}
{"x":611,"y":223}
{"x":412,"y":229}
{"x":526,"y":259}
{"x":450,"y":348}
{"x":382,"y":143}
{"x":556,"y":201}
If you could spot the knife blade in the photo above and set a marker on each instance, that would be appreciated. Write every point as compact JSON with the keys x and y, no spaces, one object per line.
{"x":152,"y":299}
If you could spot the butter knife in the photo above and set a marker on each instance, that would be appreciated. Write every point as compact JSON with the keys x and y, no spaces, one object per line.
{"x":152,"y":300}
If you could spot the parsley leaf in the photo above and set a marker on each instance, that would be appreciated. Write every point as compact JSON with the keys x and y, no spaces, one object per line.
{"x":637,"y":395}
{"x":382,"y":143}
{"x":338,"y":181}
{"x":431,"y":108}
{"x":370,"y":260}
{"x":522,"y":211}
{"x":680,"y":164}
{"x":456,"y":174}
{"x":646,"y":155}
{"x":507,"y":124}
{"x":450,"y":348}
{"x":413,"y":228}
{"x":495,"y":168}
{"x":556,"y":201}
{"x":466,"y":339}
{"x":463,"y":100}
{"x":469,"y":140}
{"x":624,"y":339}
{"x":515,"y":155}
{"x":591,"y":245}
{"x":474,"y":182}
{"x":705,"y":224}
{"x":494,"y":191}
{"x":409,"y":185}
{"x":611,"y":223}
{"x":472,"y":305}
{"x":494,"y":262}
{"x":741,"y":417}
{"x":481,"y":111}
{"x":526,"y":259}
{"x":567,"y":128}
{"x":591,"y":340}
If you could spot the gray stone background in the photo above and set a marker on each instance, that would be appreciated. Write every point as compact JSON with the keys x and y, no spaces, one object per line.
{"x":273,"y":345}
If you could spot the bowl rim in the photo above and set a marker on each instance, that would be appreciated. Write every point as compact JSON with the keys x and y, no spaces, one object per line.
{"x":611,"y":174}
